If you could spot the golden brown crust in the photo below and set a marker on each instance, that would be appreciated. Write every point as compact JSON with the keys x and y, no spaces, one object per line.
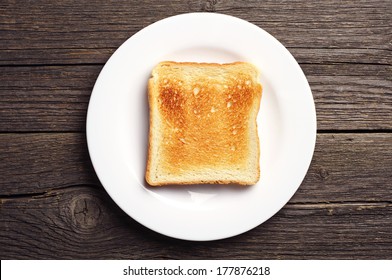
{"x":150,"y":134}
{"x":206,"y":112}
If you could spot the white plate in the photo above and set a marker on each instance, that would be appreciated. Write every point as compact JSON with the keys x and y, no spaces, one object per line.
{"x":117,"y":127}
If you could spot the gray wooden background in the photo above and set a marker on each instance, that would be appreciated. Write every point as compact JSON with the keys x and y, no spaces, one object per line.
{"x":52,"y":205}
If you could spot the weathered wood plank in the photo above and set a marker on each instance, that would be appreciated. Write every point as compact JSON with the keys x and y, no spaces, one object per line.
{"x":84,"y":223}
{"x":46,"y":98}
{"x":345,"y":167}
{"x":349,"y":168}
{"x":55,"y":98}
{"x":351,"y":96}
{"x":34,"y":163}
{"x":47,"y":32}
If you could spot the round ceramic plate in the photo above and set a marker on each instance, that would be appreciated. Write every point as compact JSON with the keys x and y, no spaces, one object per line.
{"x":118,"y":123}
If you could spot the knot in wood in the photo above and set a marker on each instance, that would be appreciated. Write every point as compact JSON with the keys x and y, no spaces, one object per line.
{"x":322,"y":173}
{"x":85,"y":212}
{"x":209,"y":5}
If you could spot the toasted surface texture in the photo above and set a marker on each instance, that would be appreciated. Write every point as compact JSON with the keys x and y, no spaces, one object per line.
{"x":203,"y":124}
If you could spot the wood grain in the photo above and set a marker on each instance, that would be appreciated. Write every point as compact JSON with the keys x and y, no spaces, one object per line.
{"x":36,"y":163}
{"x":84,"y":223}
{"x":55,"y":98}
{"x":345,"y":167}
{"x":74,"y":32}
{"x":349,"y":168}
{"x":45,"y":98}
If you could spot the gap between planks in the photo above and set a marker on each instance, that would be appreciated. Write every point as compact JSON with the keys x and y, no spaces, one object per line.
{"x":300,"y":205}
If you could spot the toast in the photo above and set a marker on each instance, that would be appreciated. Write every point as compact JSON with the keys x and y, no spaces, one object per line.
{"x":203,"y":126}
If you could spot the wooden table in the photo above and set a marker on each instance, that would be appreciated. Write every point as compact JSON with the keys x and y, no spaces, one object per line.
{"x":52,"y":204}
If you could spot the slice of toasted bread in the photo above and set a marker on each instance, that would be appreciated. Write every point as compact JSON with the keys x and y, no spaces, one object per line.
{"x":203,"y":124}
